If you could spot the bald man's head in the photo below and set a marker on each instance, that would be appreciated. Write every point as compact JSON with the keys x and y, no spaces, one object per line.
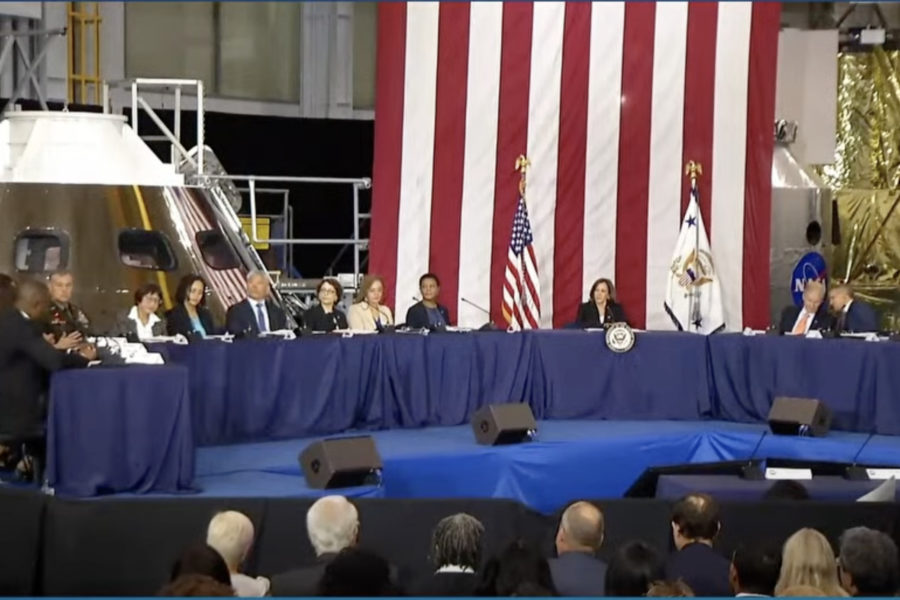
{"x":580,"y":529}
{"x":33,"y":298}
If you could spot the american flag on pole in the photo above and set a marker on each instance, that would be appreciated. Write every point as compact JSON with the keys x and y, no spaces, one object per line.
{"x":608,"y":100}
{"x":521,"y":296}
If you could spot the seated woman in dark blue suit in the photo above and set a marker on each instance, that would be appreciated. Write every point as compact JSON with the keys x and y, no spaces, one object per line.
{"x":428,"y":314}
{"x":325,"y":316}
{"x":190,"y":316}
{"x":601,"y":309}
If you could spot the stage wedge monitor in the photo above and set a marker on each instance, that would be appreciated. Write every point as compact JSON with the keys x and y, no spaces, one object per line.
{"x":497,"y":424}
{"x":799,"y":416}
{"x":341,"y":462}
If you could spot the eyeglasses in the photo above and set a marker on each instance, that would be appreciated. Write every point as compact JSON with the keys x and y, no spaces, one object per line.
{"x":327,"y":291}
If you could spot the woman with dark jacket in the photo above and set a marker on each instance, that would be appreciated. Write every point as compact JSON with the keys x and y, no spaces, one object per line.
{"x":190,"y":316}
{"x":325,"y":316}
{"x":601,"y":309}
{"x":428,"y":314}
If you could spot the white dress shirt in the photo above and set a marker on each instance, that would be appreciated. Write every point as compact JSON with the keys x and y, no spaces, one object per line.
{"x":143,"y":331}
{"x":265,"y":312}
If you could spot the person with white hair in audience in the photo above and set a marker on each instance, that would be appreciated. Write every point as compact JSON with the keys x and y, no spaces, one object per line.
{"x":258,"y":313}
{"x":808,"y":560}
{"x":868,"y":564}
{"x":230,"y":533}
{"x":576,"y":570}
{"x":332,"y":524}
{"x":456,"y":554}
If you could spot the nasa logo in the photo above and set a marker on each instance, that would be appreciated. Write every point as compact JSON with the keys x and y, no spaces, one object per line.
{"x":811,"y":266}
{"x":619,"y":337}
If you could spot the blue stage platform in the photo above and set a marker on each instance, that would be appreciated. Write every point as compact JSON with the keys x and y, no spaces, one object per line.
{"x":570,"y":459}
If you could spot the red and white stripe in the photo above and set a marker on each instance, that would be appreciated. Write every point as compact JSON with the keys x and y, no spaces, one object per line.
{"x":608,"y":101}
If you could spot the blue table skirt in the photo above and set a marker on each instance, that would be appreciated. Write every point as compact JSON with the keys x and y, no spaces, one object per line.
{"x":120,"y":430}
{"x":256,"y":390}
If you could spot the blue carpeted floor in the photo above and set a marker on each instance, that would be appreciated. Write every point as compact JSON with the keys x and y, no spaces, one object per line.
{"x":570,"y":459}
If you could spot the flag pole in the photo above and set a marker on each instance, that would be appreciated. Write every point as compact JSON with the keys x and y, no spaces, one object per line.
{"x":522,"y":164}
{"x":694,"y":170}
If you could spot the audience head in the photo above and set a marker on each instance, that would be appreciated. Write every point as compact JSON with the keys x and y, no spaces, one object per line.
{"x":695,"y":518}
{"x":201,"y":559}
{"x":8,"y":290}
{"x":371,"y":290}
{"x":61,"y":283}
{"x":33,"y":298}
{"x":632,"y":569}
{"x":197,"y":586}
{"x":603,"y":290}
{"x":813,"y":296}
{"x":457,"y":541}
{"x":258,"y":285}
{"x":868,"y":563}
{"x":230,"y":533}
{"x":356,"y":572}
{"x":581,"y":529}
{"x":191,"y":290}
{"x":786,"y":489}
{"x":430,"y":287}
{"x":839,"y":296}
{"x":332,"y":524}
{"x":519,"y":570}
{"x":807,"y":559}
{"x":147,"y":298}
{"x":754,"y":570}
{"x":670,"y":589}
{"x":329,"y":292}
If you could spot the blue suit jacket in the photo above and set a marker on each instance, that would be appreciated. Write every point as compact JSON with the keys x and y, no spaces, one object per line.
{"x":578,"y":574}
{"x":860,"y":317}
{"x":702,"y":568}
{"x":241,"y":320}
{"x":417,"y":316}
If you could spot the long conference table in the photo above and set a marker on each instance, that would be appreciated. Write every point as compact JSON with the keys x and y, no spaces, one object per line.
{"x":256,"y":390}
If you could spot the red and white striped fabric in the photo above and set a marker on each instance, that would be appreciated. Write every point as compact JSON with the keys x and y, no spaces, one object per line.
{"x":608,"y":101}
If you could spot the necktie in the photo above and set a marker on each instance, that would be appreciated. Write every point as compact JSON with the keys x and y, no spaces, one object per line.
{"x":800,"y":327}
{"x":261,"y":318}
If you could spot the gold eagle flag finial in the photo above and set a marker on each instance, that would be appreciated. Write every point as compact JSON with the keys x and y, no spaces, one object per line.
{"x":522,"y":165}
{"x":693,"y":170}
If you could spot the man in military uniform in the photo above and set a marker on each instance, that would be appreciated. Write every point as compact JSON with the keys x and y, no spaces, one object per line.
{"x":68,"y":324}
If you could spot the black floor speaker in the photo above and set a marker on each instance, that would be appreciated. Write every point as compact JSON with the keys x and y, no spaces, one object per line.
{"x":799,"y":416}
{"x":497,"y":424}
{"x":341,"y":462}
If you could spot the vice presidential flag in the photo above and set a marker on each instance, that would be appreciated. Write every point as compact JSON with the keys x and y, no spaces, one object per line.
{"x":693,"y":291}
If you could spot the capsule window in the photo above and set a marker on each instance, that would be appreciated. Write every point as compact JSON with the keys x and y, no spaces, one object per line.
{"x":41,"y":251}
{"x":143,"y":249}
{"x":216,"y":250}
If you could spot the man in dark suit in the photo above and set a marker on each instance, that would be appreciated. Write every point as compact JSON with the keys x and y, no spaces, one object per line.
{"x":576,"y":571}
{"x":695,"y":524}
{"x":851,"y":315}
{"x":26,"y":362}
{"x":332,"y":524}
{"x":812,"y":316}
{"x":754,"y":570}
{"x":456,"y":554}
{"x":257,"y":314}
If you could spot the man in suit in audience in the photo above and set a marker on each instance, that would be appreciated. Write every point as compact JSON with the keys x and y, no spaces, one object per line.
{"x":26,"y":362}
{"x":754,"y":570}
{"x":257,"y":314}
{"x":868,"y":563}
{"x":456,"y":554}
{"x":851,"y":315}
{"x":695,"y":524}
{"x":332,"y":524}
{"x":576,"y":571}
{"x":812,"y":316}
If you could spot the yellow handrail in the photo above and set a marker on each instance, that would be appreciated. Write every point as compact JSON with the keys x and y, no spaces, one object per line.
{"x":83,"y":20}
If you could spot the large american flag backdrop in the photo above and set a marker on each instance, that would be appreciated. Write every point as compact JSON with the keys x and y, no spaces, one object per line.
{"x":608,"y":101}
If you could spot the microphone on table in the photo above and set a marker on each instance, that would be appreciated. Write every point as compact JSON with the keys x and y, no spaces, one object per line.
{"x":854,"y":472}
{"x":752,"y":470}
{"x":489,"y":326}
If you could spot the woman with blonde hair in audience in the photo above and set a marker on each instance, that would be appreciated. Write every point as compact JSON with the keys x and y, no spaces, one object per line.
{"x":367,"y":313}
{"x":808,"y":560}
